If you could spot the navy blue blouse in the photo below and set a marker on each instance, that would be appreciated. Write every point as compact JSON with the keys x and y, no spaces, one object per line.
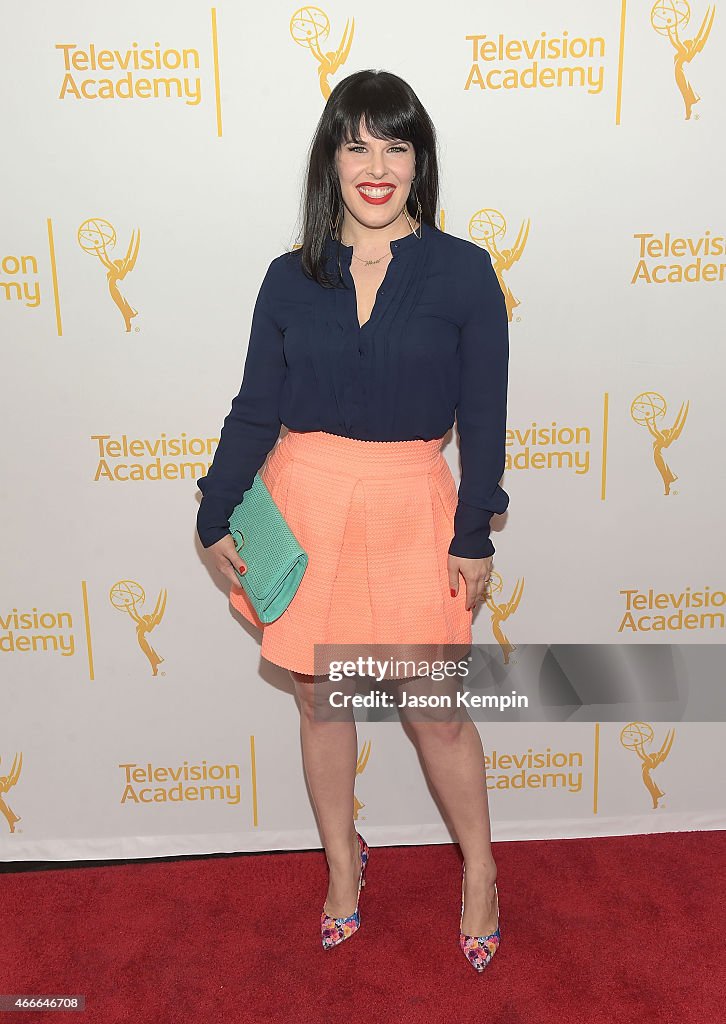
{"x":436,"y":344}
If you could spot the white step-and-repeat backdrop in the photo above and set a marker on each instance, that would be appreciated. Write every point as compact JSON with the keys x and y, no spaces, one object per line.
{"x":152,"y":167}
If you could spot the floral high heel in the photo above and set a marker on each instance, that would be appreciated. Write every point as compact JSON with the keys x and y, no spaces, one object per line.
{"x":478,"y":949}
{"x":334,"y":930}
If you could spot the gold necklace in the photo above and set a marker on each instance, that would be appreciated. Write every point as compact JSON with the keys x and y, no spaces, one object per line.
{"x":369,"y":263}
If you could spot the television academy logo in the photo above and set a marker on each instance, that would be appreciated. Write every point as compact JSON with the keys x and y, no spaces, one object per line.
{"x":103,"y":73}
{"x":498,"y":63}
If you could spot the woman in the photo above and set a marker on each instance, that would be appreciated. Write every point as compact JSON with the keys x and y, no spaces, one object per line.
{"x":366,"y":341}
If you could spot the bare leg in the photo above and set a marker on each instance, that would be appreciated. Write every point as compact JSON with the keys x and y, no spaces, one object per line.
{"x":453,"y":755}
{"x":330,"y":755}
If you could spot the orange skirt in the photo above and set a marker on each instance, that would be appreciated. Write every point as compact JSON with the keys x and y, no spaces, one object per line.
{"x":376,"y":519}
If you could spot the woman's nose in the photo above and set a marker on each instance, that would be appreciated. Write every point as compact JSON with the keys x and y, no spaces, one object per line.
{"x":377,"y":166}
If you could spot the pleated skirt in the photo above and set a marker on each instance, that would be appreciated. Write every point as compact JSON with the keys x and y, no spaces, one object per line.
{"x":376,"y":519}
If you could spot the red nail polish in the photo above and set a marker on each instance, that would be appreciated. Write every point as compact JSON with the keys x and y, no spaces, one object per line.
{"x":453,"y":593}
{"x":242,"y":570}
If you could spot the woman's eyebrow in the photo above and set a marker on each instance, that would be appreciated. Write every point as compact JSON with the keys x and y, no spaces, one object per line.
{"x":361,"y":142}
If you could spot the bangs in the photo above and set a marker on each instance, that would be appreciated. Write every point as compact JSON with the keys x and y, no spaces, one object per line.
{"x":385,"y":115}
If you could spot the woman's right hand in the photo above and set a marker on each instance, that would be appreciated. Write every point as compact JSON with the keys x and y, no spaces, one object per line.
{"x":224,"y":557}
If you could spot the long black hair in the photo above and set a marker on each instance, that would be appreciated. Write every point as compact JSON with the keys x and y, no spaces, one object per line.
{"x":391,"y":110}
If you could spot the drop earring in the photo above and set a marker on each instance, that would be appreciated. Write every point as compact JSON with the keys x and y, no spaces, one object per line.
{"x":334,"y":229}
{"x":418,"y":213}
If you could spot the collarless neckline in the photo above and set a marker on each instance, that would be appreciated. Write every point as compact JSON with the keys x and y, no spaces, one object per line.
{"x":397,"y":246}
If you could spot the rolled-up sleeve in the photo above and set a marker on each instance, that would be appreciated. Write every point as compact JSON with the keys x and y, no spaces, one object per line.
{"x":252,"y":425}
{"x":482,"y":411}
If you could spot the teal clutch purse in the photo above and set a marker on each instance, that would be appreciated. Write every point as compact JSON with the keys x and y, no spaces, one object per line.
{"x":275,"y":560}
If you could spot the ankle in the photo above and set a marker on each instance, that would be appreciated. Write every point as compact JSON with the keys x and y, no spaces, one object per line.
{"x":342,"y":858}
{"x":481,"y":873}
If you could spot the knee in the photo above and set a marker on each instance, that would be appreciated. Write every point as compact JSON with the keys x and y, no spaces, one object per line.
{"x":440,"y":731}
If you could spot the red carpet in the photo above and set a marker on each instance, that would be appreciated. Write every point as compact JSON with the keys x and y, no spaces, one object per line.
{"x":593,"y":930}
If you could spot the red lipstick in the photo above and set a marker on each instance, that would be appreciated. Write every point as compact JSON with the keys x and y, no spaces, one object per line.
{"x":376,"y":200}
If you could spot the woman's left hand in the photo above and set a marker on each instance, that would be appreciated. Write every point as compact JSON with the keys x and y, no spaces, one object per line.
{"x":476,"y":572}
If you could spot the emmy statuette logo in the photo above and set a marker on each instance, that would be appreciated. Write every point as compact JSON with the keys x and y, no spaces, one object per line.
{"x":6,"y":784}
{"x":501,"y":610}
{"x":486,"y":227}
{"x":636,"y":736}
{"x":360,"y":767}
{"x":125,"y":596}
{"x":98,"y":238}
{"x":646,"y":409}
{"x":670,"y":18}
{"x":310,"y":27}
